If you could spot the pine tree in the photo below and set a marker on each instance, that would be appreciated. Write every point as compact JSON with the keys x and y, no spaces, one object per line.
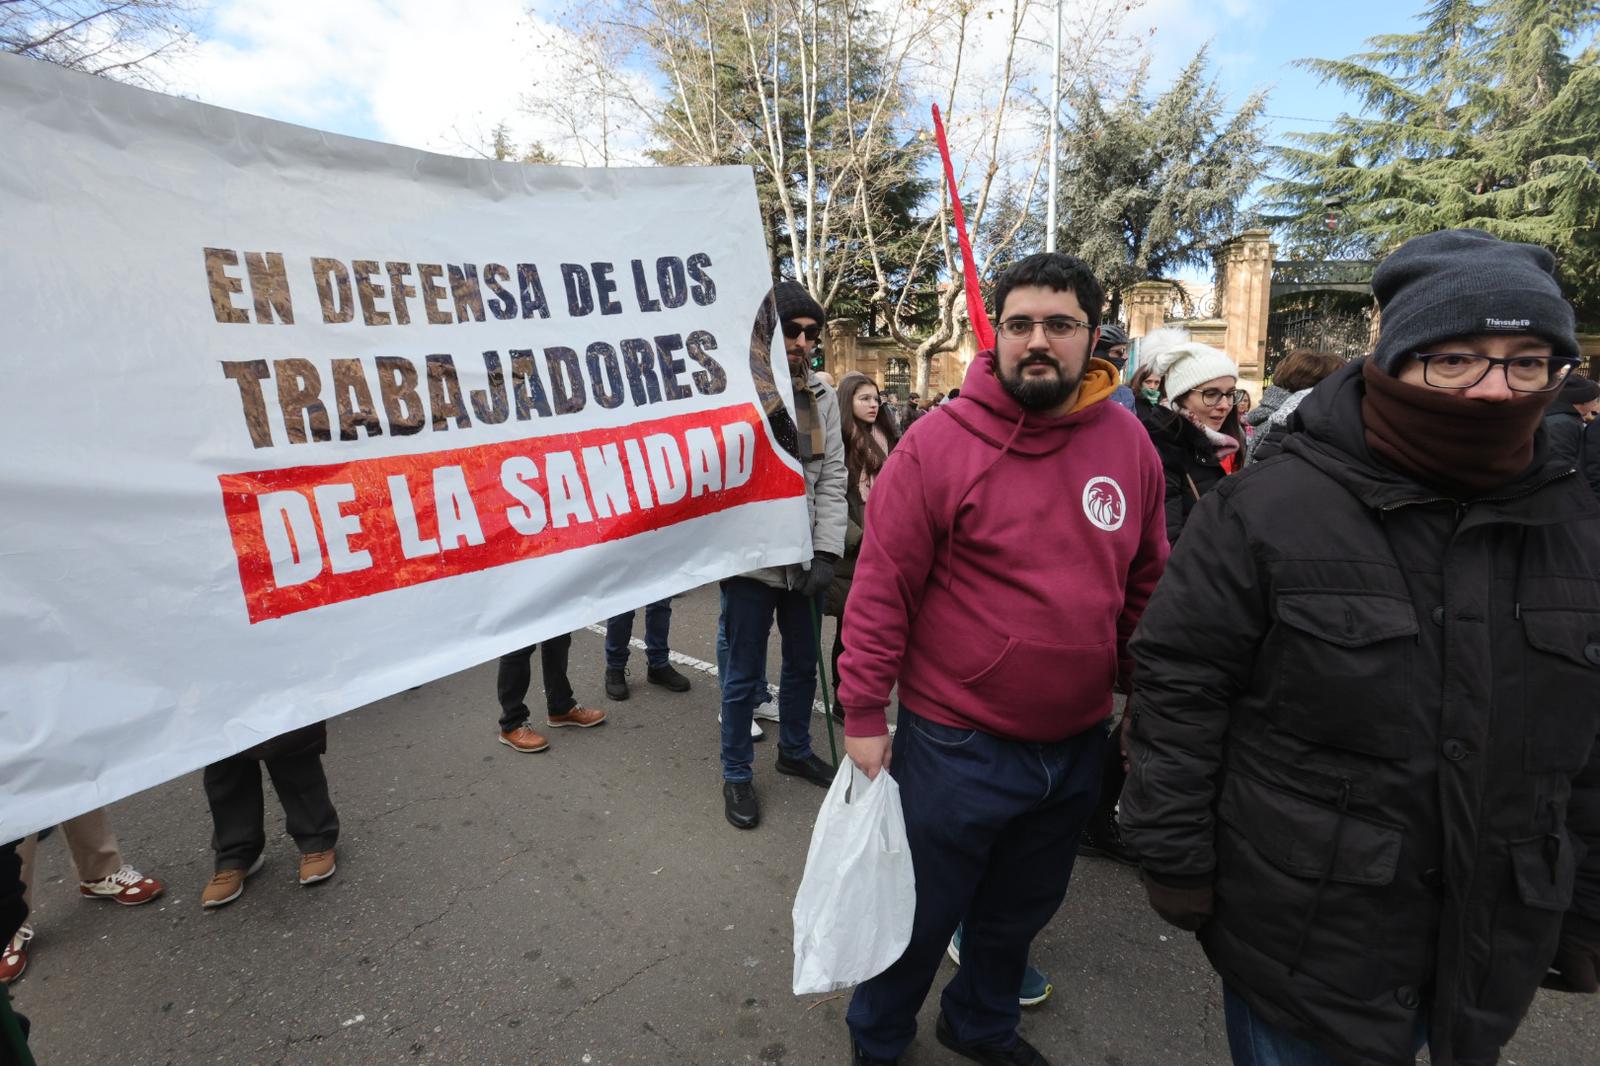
{"x":1481,"y":118}
{"x":1151,"y":185}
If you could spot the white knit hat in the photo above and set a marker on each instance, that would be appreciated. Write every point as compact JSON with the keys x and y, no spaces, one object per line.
{"x":1181,"y":363}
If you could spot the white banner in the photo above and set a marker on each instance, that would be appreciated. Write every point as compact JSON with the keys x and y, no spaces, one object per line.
{"x":294,"y":421}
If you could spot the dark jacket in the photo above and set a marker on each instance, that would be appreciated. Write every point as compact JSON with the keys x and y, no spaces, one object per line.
{"x":13,"y":912}
{"x":1366,"y":713}
{"x":1572,"y":439}
{"x":845,"y":571}
{"x":1188,"y":460}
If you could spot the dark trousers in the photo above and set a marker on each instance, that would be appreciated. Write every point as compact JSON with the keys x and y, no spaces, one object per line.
{"x":233,"y":789}
{"x":516,"y":673}
{"x":993,"y":826}
{"x":619,"y":630}
{"x":748,"y":609}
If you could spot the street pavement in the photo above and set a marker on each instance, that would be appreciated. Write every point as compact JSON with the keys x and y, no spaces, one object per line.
{"x":587,"y":906}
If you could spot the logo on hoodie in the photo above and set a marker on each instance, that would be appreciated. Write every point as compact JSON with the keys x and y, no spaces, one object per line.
{"x":1104,"y":504}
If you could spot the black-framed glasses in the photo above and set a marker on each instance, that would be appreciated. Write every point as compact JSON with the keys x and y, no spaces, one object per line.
{"x":1524,"y":373}
{"x":1056,"y":327}
{"x":1212,"y":397}
{"x":794,"y":329}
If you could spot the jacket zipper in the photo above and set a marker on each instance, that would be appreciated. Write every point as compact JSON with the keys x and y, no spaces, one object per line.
{"x":1327,"y":872}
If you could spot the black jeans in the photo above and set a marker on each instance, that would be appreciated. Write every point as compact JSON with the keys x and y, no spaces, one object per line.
{"x":233,"y":789}
{"x":516,"y":673}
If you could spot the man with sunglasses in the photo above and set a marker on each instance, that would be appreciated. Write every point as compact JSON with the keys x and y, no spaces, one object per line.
{"x":1363,"y":739}
{"x":792,"y":594}
{"x":1011,"y":541}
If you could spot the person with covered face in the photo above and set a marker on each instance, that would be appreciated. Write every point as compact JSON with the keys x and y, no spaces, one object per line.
{"x":1363,"y":748}
{"x":1195,"y":428}
{"x":1011,"y":543}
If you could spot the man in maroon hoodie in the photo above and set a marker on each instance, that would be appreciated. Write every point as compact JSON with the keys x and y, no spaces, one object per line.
{"x":1013,"y":538}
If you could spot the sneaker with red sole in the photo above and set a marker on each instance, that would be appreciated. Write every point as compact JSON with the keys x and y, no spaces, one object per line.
{"x":127,"y":886}
{"x":582,"y":717}
{"x":14,"y":959}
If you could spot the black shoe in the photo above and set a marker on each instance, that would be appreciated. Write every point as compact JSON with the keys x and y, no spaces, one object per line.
{"x":811,"y":768}
{"x":667,"y":678}
{"x":861,"y":1058}
{"x":1102,"y":838}
{"x":616,"y":684}
{"x":739,"y":803}
{"x":1021,"y":1053}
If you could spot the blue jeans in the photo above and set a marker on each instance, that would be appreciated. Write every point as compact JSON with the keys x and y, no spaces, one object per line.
{"x":1254,"y":1041}
{"x":748,"y":608}
{"x":993,"y":826}
{"x":619,"y":630}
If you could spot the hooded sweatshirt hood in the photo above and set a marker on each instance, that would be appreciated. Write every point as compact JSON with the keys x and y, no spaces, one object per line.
{"x":986,"y":410}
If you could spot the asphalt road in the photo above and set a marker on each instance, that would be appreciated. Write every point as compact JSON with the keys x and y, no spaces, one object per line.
{"x":587,"y":905}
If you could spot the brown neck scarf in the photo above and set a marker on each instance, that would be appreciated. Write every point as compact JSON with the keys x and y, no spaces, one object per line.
{"x":1459,"y":446}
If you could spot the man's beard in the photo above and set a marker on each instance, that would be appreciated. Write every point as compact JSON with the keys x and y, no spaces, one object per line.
{"x":1040,"y":394}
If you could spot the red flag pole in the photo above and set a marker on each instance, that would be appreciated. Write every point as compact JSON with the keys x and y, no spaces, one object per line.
{"x":976,"y":312}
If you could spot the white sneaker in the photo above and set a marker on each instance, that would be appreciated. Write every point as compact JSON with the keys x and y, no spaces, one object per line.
{"x":755,"y":729}
{"x":767,"y":710}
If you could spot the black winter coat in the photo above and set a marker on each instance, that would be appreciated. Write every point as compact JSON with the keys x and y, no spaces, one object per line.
{"x":1367,"y":714}
{"x":1188,"y":460}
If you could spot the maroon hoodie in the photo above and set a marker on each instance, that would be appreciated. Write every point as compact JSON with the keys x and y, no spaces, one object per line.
{"x":1006,"y":561}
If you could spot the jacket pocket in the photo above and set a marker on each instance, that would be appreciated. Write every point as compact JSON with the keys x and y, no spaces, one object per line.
{"x":1296,"y":834}
{"x":1039,"y":678}
{"x":1560,"y":711}
{"x":1343,"y":670}
{"x":1546,"y":869}
{"x":1299,"y":880}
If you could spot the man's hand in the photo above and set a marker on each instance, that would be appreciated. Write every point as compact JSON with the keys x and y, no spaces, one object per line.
{"x":819,"y":577}
{"x":1186,"y":908}
{"x":870,"y":754}
{"x":1577,"y":963}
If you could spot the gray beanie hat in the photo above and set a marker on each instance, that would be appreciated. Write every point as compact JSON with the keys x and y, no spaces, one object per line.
{"x":795,"y":302}
{"x":1465,"y":283}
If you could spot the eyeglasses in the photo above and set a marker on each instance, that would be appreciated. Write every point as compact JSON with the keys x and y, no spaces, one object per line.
{"x":1212,"y":397}
{"x":1524,"y":373}
{"x":794,"y":329}
{"x":1056,"y":327}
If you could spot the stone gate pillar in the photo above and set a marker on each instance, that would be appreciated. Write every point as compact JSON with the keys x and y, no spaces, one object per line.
{"x":839,"y":349}
{"x":1244,"y":293}
{"x":1148,"y":303}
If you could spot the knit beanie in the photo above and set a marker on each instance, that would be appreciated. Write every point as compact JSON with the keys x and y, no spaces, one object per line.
{"x":1577,"y":389}
{"x":1466,"y":283}
{"x":1181,"y":363}
{"x":795,"y":302}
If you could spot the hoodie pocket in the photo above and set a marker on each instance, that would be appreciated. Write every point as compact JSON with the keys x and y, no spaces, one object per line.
{"x":1036,"y":678}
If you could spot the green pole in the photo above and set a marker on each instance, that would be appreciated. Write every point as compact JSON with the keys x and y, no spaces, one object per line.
{"x":822,"y":673}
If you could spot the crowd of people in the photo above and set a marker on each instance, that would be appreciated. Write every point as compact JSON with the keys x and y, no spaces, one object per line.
{"x":1355,"y":623}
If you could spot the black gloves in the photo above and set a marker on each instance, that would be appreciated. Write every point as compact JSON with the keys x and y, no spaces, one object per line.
{"x":1186,"y":908}
{"x":1576,"y":967}
{"x":819,"y":577}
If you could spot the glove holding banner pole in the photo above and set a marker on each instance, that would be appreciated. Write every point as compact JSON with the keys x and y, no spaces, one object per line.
{"x":820,"y":576}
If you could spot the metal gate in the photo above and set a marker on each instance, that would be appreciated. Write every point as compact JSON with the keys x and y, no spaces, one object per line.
{"x":1325,"y":305}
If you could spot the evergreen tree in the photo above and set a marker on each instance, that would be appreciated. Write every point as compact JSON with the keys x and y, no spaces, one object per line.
{"x":1482,"y":117}
{"x":1151,"y":185}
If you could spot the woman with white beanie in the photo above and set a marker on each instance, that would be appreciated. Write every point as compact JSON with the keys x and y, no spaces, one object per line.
{"x":1194,"y":427}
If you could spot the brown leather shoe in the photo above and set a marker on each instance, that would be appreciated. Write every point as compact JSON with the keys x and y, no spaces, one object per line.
{"x":226,"y":886}
{"x":317,"y":866}
{"x":582,"y":717}
{"x":523,"y":738}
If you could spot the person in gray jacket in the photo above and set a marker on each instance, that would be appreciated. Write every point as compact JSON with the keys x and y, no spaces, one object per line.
{"x":792,"y":594}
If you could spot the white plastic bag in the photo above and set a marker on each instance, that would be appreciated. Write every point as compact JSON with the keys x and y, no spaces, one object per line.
{"x":852,"y":915}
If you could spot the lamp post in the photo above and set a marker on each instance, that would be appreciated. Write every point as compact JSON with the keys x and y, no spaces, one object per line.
{"x":1055,"y":122}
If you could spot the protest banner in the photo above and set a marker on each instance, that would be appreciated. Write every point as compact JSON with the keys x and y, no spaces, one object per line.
{"x":295,"y":421}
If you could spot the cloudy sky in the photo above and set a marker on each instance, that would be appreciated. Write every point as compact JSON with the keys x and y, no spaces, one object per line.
{"x":440,"y":76}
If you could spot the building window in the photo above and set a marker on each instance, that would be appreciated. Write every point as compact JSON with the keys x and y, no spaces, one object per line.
{"x":897,"y":378}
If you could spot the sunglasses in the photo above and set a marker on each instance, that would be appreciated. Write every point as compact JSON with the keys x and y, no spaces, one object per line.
{"x":794,"y":329}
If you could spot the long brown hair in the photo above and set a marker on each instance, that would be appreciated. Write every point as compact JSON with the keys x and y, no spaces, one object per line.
{"x":861,"y":451}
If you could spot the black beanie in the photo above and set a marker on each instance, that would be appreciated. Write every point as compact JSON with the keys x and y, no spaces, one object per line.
{"x":795,"y":302}
{"x":1466,"y":283}
{"x":1577,"y":389}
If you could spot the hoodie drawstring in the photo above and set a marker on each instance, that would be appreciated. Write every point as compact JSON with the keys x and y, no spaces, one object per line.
{"x":955,"y":517}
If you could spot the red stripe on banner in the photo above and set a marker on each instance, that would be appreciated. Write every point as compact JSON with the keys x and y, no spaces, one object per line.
{"x":308,"y":536}
{"x":977,"y":314}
